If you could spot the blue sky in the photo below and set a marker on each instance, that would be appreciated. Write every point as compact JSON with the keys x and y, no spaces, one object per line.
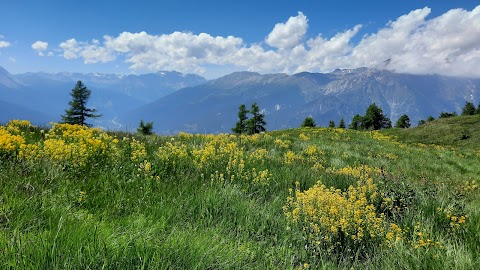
{"x":214,"y":38}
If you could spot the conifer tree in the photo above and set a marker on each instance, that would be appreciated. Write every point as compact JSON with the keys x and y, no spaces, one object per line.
{"x":308,"y":122}
{"x":331,"y":124}
{"x":356,"y":122}
{"x":374,"y":119}
{"x":240,"y":126}
{"x":145,"y":129}
{"x":403,"y":122}
{"x":447,"y":115}
{"x":341,"y":124}
{"x":256,"y":123}
{"x":468,"y":109}
{"x":78,"y":112}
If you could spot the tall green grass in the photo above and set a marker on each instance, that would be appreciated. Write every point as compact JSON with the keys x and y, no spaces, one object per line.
{"x":113,"y":217}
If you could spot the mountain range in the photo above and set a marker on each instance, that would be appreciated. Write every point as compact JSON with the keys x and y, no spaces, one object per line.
{"x":46,"y":95}
{"x":176,"y":102}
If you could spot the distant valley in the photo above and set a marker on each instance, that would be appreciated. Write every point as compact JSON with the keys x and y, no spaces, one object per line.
{"x":46,"y":95}
{"x":176,"y":102}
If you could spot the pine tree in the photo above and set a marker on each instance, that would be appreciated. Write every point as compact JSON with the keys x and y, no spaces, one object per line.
{"x":374,"y":119}
{"x":78,"y":112}
{"x":356,"y":122}
{"x":341,"y":124}
{"x":240,"y":126}
{"x":430,"y":118}
{"x":145,"y":129}
{"x":331,"y":124}
{"x":256,"y":123}
{"x":308,"y":122}
{"x":468,"y":109}
{"x":403,"y":122}
{"x":447,"y":115}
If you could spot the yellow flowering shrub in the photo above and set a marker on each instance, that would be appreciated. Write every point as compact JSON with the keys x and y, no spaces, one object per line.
{"x":138,"y":151}
{"x":10,"y":144}
{"x":303,"y":137}
{"x":172,"y":154}
{"x":17,"y":126}
{"x":377,"y":135}
{"x":315,"y":155}
{"x":64,"y":144}
{"x":259,"y":155}
{"x":185,"y":136}
{"x":289,"y":157}
{"x":77,"y":145}
{"x":358,"y":172}
{"x":331,"y":219}
{"x":281,"y":143}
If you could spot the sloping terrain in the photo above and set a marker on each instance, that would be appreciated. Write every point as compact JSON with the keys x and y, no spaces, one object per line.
{"x":311,"y":198}
{"x":287,"y":100}
{"x":460,"y":131}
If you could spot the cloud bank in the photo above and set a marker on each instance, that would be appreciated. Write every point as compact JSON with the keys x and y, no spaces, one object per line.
{"x":448,"y":44}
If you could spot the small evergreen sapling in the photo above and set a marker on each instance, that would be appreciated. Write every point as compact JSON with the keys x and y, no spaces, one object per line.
{"x":308,"y":122}
{"x":145,"y":129}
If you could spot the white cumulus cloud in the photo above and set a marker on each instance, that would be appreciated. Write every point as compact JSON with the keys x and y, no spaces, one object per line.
{"x":4,"y":44}
{"x":40,"y":46}
{"x":90,"y":52}
{"x":287,"y":35}
{"x":413,"y":43}
{"x":448,"y":44}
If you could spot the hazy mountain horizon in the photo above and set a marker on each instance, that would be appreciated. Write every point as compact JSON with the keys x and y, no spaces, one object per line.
{"x":188,"y":102}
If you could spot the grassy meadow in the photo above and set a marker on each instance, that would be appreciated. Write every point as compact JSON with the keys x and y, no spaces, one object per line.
{"x":308,"y":198}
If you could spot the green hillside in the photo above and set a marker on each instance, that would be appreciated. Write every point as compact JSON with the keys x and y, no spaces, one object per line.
{"x":311,"y":198}
{"x":460,"y":131}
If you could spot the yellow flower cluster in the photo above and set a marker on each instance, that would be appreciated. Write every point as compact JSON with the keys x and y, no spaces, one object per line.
{"x":64,"y":144}
{"x":172,"y":153}
{"x":469,"y":186}
{"x":220,"y":154}
{"x":313,"y":154}
{"x":138,"y":151}
{"x":82,"y":195}
{"x":281,"y":143}
{"x":16,"y":126}
{"x":259,"y":155}
{"x":184,"y":136}
{"x":10,"y":144}
{"x":330,"y":217}
{"x":76,"y":145}
{"x":377,"y":135}
{"x":422,"y":241}
{"x":146,"y":171}
{"x":358,"y":172}
{"x":456,"y":221}
{"x":303,"y":137}
{"x":289,"y":157}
